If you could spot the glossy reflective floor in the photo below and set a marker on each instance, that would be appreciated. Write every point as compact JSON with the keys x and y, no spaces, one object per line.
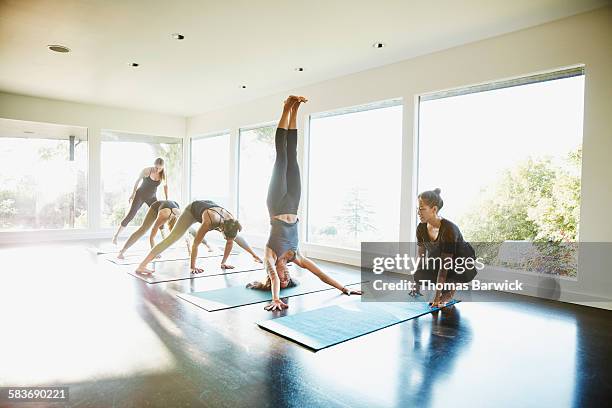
{"x":71,"y":318}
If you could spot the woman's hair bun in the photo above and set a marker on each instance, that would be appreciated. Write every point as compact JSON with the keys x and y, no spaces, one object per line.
{"x":432,"y":198}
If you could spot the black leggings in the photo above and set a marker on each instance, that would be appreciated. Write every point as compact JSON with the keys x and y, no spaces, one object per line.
{"x":136,"y":204}
{"x":285,"y":186}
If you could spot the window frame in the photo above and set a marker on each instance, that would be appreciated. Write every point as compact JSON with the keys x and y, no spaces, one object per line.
{"x":527,"y":79}
{"x":110,"y":135}
{"x":307,"y":158}
{"x":52,"y":231}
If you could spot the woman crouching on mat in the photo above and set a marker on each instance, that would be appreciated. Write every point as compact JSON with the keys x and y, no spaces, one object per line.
{"x":212,"y":217}
{"x":151,"y":178}
{"x":283,"y":201}
{"x":160,"y":213}
{"x":440,"y":240}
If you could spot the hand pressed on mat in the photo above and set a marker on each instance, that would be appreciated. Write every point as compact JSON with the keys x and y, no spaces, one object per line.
{"x":276,"y":305}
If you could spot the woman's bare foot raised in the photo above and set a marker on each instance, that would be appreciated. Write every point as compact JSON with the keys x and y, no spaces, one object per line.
{"x":298,"y":100}
{"x":290,"y":101}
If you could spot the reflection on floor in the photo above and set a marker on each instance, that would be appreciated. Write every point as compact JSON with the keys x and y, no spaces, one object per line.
{"x":71,"y":318}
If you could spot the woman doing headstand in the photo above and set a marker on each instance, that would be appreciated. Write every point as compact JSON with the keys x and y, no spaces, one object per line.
{"x":283,"y":201}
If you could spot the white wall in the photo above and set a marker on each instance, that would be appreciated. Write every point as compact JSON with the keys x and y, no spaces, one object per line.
{"x":95,"y":118}
{"x":582,"y":39}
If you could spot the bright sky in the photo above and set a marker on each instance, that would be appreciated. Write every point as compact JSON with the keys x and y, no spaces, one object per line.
{"x":19,"y":159}
{"x":122,"y":163}
{"x":210,"y":169}
{"x":256,"y":160}
{"x":466,"y":141}
{"x":361,"y":151}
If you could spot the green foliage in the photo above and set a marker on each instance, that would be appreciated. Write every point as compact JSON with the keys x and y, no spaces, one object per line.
{"x":58,"y":151}
{"x":7,"y":212}
{"x":536,"y":201}
{"x":556,"y":216}
{"x":329,"y":230}
{"x":172,"y":154}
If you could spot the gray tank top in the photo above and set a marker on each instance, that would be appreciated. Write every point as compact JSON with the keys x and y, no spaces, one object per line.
{"x":283,"y":237}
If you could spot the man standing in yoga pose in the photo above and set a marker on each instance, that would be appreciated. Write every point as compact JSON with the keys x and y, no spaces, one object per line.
{"x":212,"y":217}
{"x":283,"y":201}
{"x":151,"y":178}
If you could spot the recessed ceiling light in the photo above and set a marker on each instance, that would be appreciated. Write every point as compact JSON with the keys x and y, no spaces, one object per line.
{"x":299,"y":69}
{"x":242,"y":86}
{"x":58,"y":48}
{"x":134,"y":64}
{"x":178,"y":36}
{"x":378,"y":45}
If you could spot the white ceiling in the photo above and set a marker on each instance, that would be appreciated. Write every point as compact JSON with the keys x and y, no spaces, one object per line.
{"x":230,"y":42}
{"x":25,"y":129}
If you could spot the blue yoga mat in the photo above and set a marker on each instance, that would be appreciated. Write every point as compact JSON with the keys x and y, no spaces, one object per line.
{"x":227,"y":298}
{"x":321,"y":328}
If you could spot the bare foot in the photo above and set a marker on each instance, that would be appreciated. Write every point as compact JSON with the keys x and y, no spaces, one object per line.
{"x":447,"y":297}
{"x":255,"y":285}
{"x":299,"y":100}
{"x":114,"y":240}
{"x":120,"y":255}
{"x":145,"y":271}
{"x":291,"y":101}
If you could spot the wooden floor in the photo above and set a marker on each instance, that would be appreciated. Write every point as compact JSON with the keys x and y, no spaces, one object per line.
{"x":72,"y":318}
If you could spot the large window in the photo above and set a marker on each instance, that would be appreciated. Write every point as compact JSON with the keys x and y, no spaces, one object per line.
{"x":210,"y":165}
{"x":256,"y":160}
{"x":354,"y":180}
{"x":123,"y":158}
{"x":43,"y":176}
{"x":507,"y":157}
